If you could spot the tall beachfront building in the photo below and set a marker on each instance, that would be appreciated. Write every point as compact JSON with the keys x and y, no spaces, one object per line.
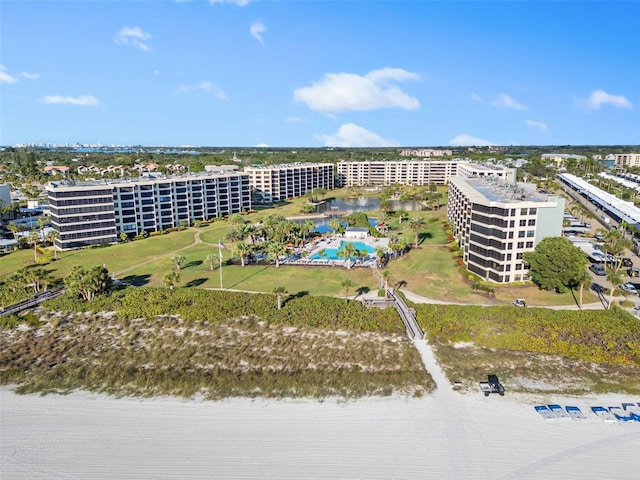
{"x":495,"y":221}
{"x":89,"y":213}
{"x":413,"y":172}
{"x":274,"y":183}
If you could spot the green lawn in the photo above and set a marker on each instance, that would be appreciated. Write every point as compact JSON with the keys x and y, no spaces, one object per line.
{"x":429,"y":270}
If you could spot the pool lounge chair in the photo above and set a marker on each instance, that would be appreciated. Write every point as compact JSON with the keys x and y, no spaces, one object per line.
{"x":544,"y":411}
{"x":575,"y":412}
{"x":559,"y":412}
{"x":632,"y":409}
{"x":621,"y":415}
{"x":604,"y":414}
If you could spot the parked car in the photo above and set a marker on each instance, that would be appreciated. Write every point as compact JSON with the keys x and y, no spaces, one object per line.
{"x":626,"y":262}
{"x":634,"y":272}
{"x":519,"y":302}
{"x":629,"y":287}
{"x":596,"y":287}
{"x":598,"y":269}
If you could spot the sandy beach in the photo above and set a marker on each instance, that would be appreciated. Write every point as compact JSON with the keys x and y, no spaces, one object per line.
{"x":444,"y":436}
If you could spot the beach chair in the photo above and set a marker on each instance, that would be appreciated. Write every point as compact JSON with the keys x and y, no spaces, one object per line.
{"x":632,"y":409}
{"x":559,"y":412}
{"x":544,"y":411}
{"x":604,"y":414}
{"x":575,"y":413}
{"x":621,"y":415}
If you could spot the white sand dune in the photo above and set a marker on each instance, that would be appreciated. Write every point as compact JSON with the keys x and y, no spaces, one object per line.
{"x":444,"y":436}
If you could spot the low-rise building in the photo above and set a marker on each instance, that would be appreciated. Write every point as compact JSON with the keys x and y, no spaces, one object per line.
{"x":495,"y":221}
{"x":627,"y":160}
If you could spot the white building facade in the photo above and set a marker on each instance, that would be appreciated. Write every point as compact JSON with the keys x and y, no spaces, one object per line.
{"x":275,"y":183}
{"x":412,"y":172}
{"x":627,"y":160}
{"x":92,"y":213}
{"x":495,"y":221}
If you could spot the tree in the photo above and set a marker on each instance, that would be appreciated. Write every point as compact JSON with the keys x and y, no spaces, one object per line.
{"x":335,"y":225}
{"x":124,"y":237}
{"x":36,"y":278}
{"x":402,"y":215}
{"x":416,"y":223}
{"x":347,"y":251}
{"x":15,"y":229}
{"x":34,"y":238}
{"x":380,"y":254}
{"x":556,"y":264}
{"x":88,"y":282}
{"x":386,"y":276}
{"x":211,"y":259}
{"x":42,"y":222}
{"x":274,"y":251}
{"x":347,"y":285}
{"x":52,"y":236}
{"x":178,"y":260}
{"x":279,"y":292}
{"x":170,"y":279}
{"x":243,"y":249}
{"x":306,"y":228}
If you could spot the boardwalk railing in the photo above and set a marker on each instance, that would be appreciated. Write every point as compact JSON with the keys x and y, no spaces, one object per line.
{"x":407,"y":314}
{"x":31,"y":302}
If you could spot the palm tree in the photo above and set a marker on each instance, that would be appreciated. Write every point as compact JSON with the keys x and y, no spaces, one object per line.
{"x":416,"y":223}
{"x":347,"y":285}
{"x":170,"y":279}
{"x":178,"y":260}
{"x":274,"y":251}
{"x":335,"y":225}
{"x":34,"y":238}
{"x":211,"y":259}
{"x":42,"y":222}
{"x":386,"y":276}
{"x":305,"y":229}
{"x":402,"y":215}
{"x":243,"y":249}
{"x":15,"y":229}
{"x":279,"y":292}
{"x":615,"y":278}
{"x":380,"y":253}
{"x":51,"y":238}
{"x":347,"y":251}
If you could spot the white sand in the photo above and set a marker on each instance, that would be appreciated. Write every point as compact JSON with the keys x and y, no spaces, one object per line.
{"x":445,"y":436}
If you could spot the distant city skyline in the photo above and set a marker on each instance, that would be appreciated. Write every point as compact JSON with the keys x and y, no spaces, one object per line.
{"x":317,"y":74}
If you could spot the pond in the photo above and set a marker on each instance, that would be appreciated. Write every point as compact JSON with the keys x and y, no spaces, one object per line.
{"x":364,"y":204}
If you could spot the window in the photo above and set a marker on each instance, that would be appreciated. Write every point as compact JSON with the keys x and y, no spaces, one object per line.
{"x":510,"y":234}
{"x":523,"y":211}
{"x":512,"y":223}
{"x":523,"y":223}
{"x":533,"y":211}
{"x":518,"y":266}
{"x":508,"y":256}
{"x":532,"y":222}
{"x":521,"y":234}
{"x":520,"y":244}
{"x":531,"y":233}
{"x":529,"y":244}
{"x":519,"y":257}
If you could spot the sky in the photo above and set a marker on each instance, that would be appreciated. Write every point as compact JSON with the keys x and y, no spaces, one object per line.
{"x":332,"y":73}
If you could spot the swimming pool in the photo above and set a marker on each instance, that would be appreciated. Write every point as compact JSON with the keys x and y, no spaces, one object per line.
{"x":332,"y":253}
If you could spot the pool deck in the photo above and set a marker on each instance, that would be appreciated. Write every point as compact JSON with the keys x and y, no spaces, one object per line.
{"x":314,"y":247}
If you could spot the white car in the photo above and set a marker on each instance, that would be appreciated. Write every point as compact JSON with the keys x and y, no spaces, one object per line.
{"x":629,"y":287}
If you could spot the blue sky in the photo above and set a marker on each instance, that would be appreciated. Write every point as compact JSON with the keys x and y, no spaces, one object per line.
{"x":319,"y":73}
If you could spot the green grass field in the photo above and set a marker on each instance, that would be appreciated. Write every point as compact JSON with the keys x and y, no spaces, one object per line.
{"x":429,"y":270}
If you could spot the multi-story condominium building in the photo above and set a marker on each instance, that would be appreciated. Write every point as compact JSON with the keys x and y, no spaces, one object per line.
{"x":627,"y":160}
{"x":274,"y":183}
{"x":412,"y":172}
{"x":90,"y":213}
{"x":495,"y":221}
{"x":426,"y":153}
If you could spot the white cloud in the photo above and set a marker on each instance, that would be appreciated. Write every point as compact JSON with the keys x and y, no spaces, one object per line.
{"x":261,"y":145}
{"x":204,"y":87}
{"x":475,"y":97}
{"x":240,"y":3}
{"x":464,"y":140}
{"x":30,"y":76}
{"x":133,"y":37}
{"x":352,"y":135}
{"x":540,"y":125}
{"x":506,"y":101}
{"x":600,"y":97}
{"x":295,"y":120}
{"x":341,"y":92}
{"x":257,"y":28}
{"x":81,"y":101}
{"x":5,"y":77}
